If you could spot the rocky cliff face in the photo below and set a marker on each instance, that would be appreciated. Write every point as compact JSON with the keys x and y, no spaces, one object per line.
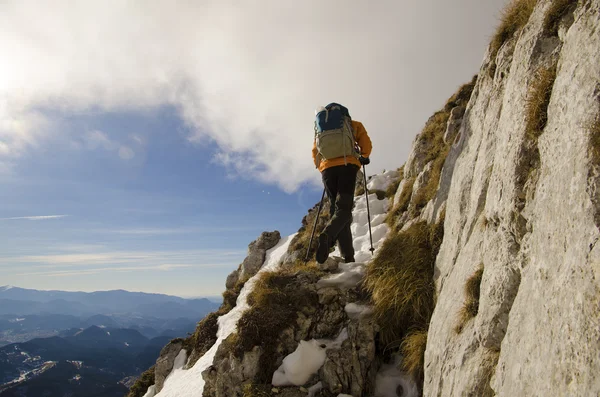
{"x":486,"y":271}
{"x":522,"y":205}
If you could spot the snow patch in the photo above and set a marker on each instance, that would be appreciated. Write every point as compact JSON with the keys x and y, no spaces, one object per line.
{"x":306,"y":360}
{"x":383,"y":181}
{"x":389,"y":380}
{"x":356,"y":311}
{"x":298,"y":367}
{"x":351,"y":274}
{"x":151,"y":391}
{"x":189,"y":383}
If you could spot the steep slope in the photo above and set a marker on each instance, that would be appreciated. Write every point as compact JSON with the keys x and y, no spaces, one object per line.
{"x":523,"y":206}
{"x":485,"y":275}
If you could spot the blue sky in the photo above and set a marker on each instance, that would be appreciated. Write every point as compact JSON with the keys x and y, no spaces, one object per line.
{"x":158,"y":216}
{"x":144,"y":146}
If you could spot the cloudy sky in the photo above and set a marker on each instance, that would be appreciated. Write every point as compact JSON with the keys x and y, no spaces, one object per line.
{"x":144,"y":144}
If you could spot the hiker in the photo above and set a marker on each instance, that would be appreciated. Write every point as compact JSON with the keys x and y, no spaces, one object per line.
{"x":340,"y":147}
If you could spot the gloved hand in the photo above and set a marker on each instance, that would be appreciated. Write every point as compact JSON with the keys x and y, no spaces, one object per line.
{"x":364,"y":160}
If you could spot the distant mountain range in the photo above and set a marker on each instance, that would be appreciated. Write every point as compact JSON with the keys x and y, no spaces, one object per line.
{"x":14,"y":300}
{"x":91,"y":362}
{"x":86,"y":344}
{"x":26,"y":314}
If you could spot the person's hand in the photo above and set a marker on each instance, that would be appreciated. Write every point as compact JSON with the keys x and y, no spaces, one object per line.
{"x":364,"y":160}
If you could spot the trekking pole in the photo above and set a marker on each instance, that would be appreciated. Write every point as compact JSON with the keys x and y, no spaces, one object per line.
{"x":368,"y":210}
{"x":312,"y":235}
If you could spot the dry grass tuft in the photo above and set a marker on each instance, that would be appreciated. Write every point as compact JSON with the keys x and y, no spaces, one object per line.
{"x":252,"y":390}
{"x":558,"y":9}
{"x":403,"y":202}
{"x":275,"y":301}
{"x":230,"y":295}
{"x":413,"y":353}
{"x":400,"y":280}
{"x":432,"y":134}
{"x":428,"y":191}
{"x":538,"y":99}
{"x":471,"y":305}
{"x":141,"y":385}
{"x":513,"y":18}
{"x":390,"y":192}
{"x":462,"y":96}
{"x":204,"y":337}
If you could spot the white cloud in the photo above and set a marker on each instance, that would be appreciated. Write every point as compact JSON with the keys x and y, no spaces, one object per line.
{"x":96,"y":139}
{"x":81,"y":257}
{"x":126,"y":153}
{"x":245,"y":75}
{"x":182,"y":230}
{"x":117,"y":269}
{"x":34,"y":218}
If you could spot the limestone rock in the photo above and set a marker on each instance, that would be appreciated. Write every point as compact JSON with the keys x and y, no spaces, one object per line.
{"x":257,"y":251}
{"x":232,"y":279}
{"x":351,"y":368}
{"x":331,"y":264}
{"x":530,"y":223}
{"x":164,"y":363}
{"x":454,"y":123}
{"x":228,"y":374}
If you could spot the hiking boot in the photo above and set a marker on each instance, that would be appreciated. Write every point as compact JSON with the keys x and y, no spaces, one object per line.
{"x":350,"y":259}
{"x":323,"y":248}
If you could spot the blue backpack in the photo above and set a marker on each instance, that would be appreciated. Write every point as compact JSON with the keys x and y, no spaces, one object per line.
{"x":334,"y":135}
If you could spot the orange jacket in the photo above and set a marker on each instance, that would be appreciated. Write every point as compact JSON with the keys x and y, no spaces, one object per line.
{"x":364,"y":143}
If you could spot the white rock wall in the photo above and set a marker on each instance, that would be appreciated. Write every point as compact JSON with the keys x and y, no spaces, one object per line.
{"x":537,"y":332}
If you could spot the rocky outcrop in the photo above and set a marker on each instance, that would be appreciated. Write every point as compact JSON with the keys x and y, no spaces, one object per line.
{"x":164,"y":363}
{"x":318,"y":312}
{"x":257,"y":250}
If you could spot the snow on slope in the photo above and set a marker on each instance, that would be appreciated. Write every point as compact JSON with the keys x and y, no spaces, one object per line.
{"x":189,"y":383}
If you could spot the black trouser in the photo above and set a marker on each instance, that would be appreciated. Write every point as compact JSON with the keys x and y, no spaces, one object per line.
{"x":339,"y":183}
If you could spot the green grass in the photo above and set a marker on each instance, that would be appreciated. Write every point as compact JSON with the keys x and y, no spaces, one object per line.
{"x":400,"y":280}
{"x":471,"y":306}
{"x":413,"y":354}
{"x":275,"y":301}
{"x":514,"y":17}
{"x":141,"y":385}
{"x":538,"y":99}
{"x":558,"y":9}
